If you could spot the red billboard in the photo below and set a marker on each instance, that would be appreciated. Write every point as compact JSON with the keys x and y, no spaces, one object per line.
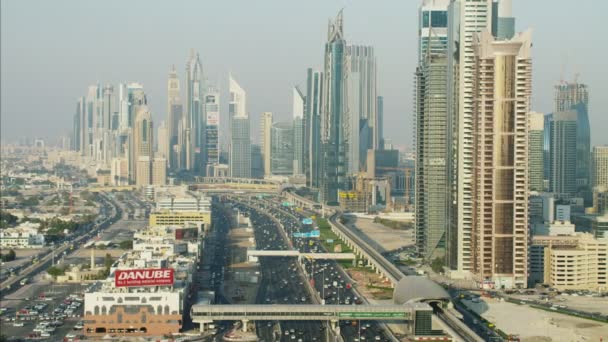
{"x":186,"y":234}
{"x":144,"y":277}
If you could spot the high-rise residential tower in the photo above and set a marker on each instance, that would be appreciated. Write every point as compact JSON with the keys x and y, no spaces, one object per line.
{"x":380,"y":114}
{"x":299,"y":103}
{"x":431,"y":130}
{"x":195,"y":114}
{"x":575,"y":96}
{"x":501,"y":102}
{"x":536,"y":126}
{"x":466,"y":18}
{"x":334,"y":115}
{"x":599,"y":166}
{"x":265,"y":141}
{"x":212,"y":129}
{"x":240,"y":141}
{"x":174,"y":120}
{"x":312,"y":128}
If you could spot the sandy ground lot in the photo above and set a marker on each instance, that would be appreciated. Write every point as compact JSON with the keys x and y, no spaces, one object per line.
{"x":381,"y":237}
{"x":533,"y":325}
{"x":22,"y":255}
{"x":583,"y":303}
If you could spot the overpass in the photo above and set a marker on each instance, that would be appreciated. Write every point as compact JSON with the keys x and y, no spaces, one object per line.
{"x":235,"y":185}
{"x":295,"y":253}
{"x":417,"y":313}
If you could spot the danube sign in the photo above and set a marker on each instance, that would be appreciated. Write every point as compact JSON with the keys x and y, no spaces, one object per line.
{"x":144,"y":277}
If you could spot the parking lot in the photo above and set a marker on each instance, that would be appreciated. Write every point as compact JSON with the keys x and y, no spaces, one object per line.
{"x":43,"y":310}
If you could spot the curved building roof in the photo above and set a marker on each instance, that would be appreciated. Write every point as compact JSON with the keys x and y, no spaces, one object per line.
{"x":418,"y":289}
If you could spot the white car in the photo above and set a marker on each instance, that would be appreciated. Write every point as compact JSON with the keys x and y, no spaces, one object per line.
{"x":18,"y":324}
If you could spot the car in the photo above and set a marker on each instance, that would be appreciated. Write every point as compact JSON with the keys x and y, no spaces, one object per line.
{"x":18,"y":324}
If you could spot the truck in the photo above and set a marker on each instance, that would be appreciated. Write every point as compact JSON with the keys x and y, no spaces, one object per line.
{"x":24,"y":281}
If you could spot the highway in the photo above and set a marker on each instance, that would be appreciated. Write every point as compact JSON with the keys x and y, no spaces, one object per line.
{"x":323,"y":274}
{"x":281,"y":282}
{"x":99,"y":225}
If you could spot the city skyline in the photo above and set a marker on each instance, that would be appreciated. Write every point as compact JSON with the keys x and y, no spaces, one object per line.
{"x":395,"y":61}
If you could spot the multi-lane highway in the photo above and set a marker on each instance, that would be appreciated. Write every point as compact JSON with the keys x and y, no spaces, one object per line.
{"x":281,"y":283}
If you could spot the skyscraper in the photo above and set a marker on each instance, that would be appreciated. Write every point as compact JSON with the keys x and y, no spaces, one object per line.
{"x":143,"y":146}
{"x":575,"y":96}
{"x":312,"y":128}
{"x":431,"y":131}
{"x":282,"y":148}
{"x":212,"y":137}
{"x":195,"y":114}
{"x":335,"y":123}
{"x":563,"y":153}
{"x":162,"y":141}
{"x":599,"y":166}
{"x":265,"y":141}
{"x":503,"y":22}
{"x":466,"y":18}
{"x":174,"y":120}
{"x":240,"y":141}
{"x":299,"y":102}
{"x":380,"y":114}
{"x":362,"y":108}
{"x":536,"y":123}
{"x":501,"y":101}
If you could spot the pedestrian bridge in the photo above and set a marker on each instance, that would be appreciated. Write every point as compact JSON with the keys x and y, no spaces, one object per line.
{"x":294,"y":253}
{"x":307,"y":312}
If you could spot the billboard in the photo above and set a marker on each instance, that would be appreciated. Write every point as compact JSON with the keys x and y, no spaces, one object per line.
{"x":143,"y":277}
{"x":307,"y":221}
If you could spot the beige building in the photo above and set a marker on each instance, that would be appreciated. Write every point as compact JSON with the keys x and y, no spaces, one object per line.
{"x":144,"y":171}
{"x":579,"y":267}
{"x":599,"y":166}
{"x":120,"y":171}
{"x":265,"y":137}
{"x":501,"y":96}
{"x":159,"y":171}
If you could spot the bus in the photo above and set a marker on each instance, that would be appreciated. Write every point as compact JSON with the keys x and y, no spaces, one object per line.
{"x":23,"y":281}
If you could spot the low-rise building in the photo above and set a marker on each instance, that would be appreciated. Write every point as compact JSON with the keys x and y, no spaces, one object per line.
{"x":25,"y":235}
{"x":147,"y":289}
{"x":574,"y":262}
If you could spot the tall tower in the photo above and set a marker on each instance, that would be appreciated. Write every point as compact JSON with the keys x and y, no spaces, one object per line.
{"x":599,"y":169}
{"x":174,"y":117}
{"x":265,"y":141}
{"x":334,"y":116}
{"x":281,"y":146}
{"x":575,"y":96}
{"x":466,"y":18}
{"x":362,"y":105}
{"x":536,"y":126}
{"x":563,"y":153}
{"x":501,"y":102}
{"x":143,"y":138}
{"x":380,"y":114}
{"x":431,"y":131}
{"x":312,"y":128}
{"x":212,"y":129}
{"x":299,"y":102}
{"x":195,"y":114}
{"x":240,"y":140}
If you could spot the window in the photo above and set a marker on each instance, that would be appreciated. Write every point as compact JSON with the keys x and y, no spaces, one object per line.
{"x":439,"y":19}
{"x":425,"y":18}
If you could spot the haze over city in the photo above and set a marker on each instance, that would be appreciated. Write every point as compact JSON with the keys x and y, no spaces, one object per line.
{"x":282,"y":171}
{"x":55,"y":49}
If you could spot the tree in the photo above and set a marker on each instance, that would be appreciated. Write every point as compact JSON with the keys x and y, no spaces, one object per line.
{"x":10,"y":256}
{"x":108,"y":261}
{"x":126,"y":244}
{"x":437,"y":265}
{"x":55,"y":271}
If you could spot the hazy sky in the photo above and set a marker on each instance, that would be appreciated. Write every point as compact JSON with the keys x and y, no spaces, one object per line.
{"x":52,"y":50}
